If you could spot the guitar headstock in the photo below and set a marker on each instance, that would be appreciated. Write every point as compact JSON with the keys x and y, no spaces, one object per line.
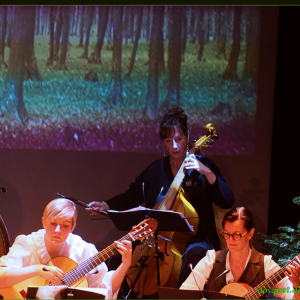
{"x":144,"y":229}
{"x":205,"y":140}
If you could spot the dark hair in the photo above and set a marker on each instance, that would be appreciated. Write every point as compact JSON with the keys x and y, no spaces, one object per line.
{"x":239,"y":213}
{"x":175,"y":117}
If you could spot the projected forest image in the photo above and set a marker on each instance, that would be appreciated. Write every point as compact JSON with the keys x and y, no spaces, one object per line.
{"x":100,"y":78}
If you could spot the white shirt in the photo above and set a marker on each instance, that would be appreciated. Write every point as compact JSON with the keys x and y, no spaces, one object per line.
{"x":29,"y":250}
{"x":199,"y":277}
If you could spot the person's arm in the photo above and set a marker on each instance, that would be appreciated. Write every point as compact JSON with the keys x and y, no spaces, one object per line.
{"x":200,"y":274}
{"x":125,"y":249}
{"x":14,"y":267}
{"x":285,"y":287}
{"x":10,"y":277}
{"x":132,"y":197}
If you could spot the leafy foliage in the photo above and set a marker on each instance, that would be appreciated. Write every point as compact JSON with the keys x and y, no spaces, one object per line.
{"x":285,"y":245}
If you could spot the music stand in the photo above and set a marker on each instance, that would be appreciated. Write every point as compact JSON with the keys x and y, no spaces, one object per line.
{"x":167,"y":221}
{"x":62,"y":292}
{"x":171,"y":293}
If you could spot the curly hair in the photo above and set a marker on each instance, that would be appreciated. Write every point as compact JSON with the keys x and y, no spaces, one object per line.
{"x":175,"y":117}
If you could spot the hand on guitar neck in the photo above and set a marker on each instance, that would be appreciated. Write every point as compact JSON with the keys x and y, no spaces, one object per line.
{"x":192,"y":163}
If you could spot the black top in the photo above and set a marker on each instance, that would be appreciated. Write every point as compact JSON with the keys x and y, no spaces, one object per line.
{"x":201,"y":193}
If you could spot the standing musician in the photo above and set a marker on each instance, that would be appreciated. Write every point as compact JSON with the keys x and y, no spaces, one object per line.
{"x":30,"y":253}
{"x":203,"y":183}
{"x":240,"y":262}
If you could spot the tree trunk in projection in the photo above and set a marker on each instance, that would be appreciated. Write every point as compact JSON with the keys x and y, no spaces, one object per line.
{"x":151,"y":107}
{"x":82,"y":19}
{"x":192,"y":21}
{"x":222,"y":37}
{"x":95,"y":57}
{"x":162,"y":67}
{"x":51,"y":42}
{"x":10,"y":19}
{"x":252,"y":44}
{"x":61,"y":65}
{"x":110,"y":27}
{"x":174,"y":59}
{"x":116,"y":89}
{"x":3,"y":32}
{"x":147,"y":23}
{"x":184,"y":31}
{"x":58,"y":31}
{"x":77,"y":17}
{"x":31,"y":67}
{"x":12,"y":103}
{"x":201,"y":32}
{"x":231,"y":69}
{"x":136,"y":39}
{"x":90,"y":17}
{"x":126,"y":26}
{"x":38,"y":12}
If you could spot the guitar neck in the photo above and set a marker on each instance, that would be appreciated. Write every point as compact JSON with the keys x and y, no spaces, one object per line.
{"x":92,"y":262}
{"x":268,"y":283}
{"x":173,"y":190}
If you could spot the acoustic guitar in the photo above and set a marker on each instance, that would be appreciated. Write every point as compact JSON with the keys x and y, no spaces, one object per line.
{"x":75,"y":275}
{"x":244,"y":290}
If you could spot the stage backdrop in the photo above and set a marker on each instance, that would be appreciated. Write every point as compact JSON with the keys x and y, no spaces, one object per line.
{"x":83,"y":90}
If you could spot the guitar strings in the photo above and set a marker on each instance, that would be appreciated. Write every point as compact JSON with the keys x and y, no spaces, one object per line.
{"x":85,"y":267}
{"x":279,"y":273}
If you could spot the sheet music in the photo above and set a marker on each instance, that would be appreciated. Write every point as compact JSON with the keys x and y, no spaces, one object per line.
{"x":142,"y":208}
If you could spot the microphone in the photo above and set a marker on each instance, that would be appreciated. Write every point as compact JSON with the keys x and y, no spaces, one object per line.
{"x":226,"y":271}
{"x":191,"y":267}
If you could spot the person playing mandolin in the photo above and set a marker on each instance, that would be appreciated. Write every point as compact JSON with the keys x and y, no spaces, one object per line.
{"x":30,"y":254}
{"x":203,"y":185}
{"x":240,"y":262}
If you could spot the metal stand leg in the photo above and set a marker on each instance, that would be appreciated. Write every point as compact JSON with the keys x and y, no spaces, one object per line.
{"x":142,"y":261}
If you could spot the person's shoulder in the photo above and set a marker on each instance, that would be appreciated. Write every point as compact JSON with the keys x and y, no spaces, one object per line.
{"x":79,"y":241}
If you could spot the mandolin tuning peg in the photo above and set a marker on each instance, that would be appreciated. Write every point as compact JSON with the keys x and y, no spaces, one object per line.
{"x":215,"y":136}
{"x":194,"y":141}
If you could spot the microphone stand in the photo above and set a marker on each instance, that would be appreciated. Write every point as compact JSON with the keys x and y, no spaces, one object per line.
{"x":142,"y":262}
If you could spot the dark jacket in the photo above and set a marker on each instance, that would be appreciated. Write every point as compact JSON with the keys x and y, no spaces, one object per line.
{"x":202,"y":194}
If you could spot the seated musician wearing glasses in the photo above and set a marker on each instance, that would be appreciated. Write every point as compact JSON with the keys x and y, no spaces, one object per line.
{"x":224,"y":271}
{"x":30,"y":254}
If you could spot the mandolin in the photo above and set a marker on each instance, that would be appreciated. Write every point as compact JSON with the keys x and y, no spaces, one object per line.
{"x":247,"y":292}
{"x":75,"y":275}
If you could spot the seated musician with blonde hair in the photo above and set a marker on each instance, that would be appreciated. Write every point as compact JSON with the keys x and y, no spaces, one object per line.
{"x":240,"y":263}
{"x":30,"y":253}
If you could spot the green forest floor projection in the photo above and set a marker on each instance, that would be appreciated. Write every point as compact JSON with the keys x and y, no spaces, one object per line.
{"x":66,"y":111}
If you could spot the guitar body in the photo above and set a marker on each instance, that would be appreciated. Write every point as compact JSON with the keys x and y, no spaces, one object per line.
{"x":62,"y":262}
{"x":238,"y":289}
{"x":179,"y":239}
{"x":169,"y":268}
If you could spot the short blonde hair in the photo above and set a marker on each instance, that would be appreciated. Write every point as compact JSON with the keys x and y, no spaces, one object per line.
{"x":60,"y":207}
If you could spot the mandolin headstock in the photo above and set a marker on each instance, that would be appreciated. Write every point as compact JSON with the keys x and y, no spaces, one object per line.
{"x":205,"y":140}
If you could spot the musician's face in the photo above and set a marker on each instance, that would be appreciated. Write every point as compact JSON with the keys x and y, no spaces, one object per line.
{"x":58,"y":229}
{"x":238,"y":227}
{"x":176,"y":144}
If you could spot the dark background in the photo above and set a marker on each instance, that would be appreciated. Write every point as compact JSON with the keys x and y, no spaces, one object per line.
{"x":285,"y":162}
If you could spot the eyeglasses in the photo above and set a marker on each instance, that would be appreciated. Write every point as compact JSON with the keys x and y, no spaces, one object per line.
{"x":235,"y":236}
